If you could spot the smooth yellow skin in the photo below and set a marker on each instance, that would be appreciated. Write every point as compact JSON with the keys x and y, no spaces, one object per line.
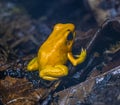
{"x":54,"y":53}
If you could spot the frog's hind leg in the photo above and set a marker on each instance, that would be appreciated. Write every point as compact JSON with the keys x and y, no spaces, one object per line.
{"x":53,"y":72}
{"x":32,"y":65}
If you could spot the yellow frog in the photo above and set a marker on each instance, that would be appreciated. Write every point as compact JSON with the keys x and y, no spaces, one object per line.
{"x":54,"y":53}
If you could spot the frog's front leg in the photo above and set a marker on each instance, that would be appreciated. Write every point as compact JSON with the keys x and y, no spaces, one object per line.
{"x":80,"y":59}
{"x":53,"y":72}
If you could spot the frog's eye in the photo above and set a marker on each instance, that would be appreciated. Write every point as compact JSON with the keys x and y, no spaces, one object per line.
{"x":70,"y":36}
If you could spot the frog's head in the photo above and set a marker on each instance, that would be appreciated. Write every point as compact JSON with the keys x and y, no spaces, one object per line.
{"x":64,"y":35}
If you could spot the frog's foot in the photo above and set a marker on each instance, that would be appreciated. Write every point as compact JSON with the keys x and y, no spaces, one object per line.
{"x":53,"y":72}
{"x":80,"y":58}
{"x":32,"y":65}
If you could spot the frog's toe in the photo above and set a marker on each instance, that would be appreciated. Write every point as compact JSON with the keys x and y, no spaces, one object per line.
{"x":83,"y":53}
{"x":32,"y":65}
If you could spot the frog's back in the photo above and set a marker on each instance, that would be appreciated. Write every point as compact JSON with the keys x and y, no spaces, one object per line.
{"x":51,"y":55}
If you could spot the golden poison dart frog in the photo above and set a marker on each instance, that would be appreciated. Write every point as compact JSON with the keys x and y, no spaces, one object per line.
{"x":54,"y":53}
